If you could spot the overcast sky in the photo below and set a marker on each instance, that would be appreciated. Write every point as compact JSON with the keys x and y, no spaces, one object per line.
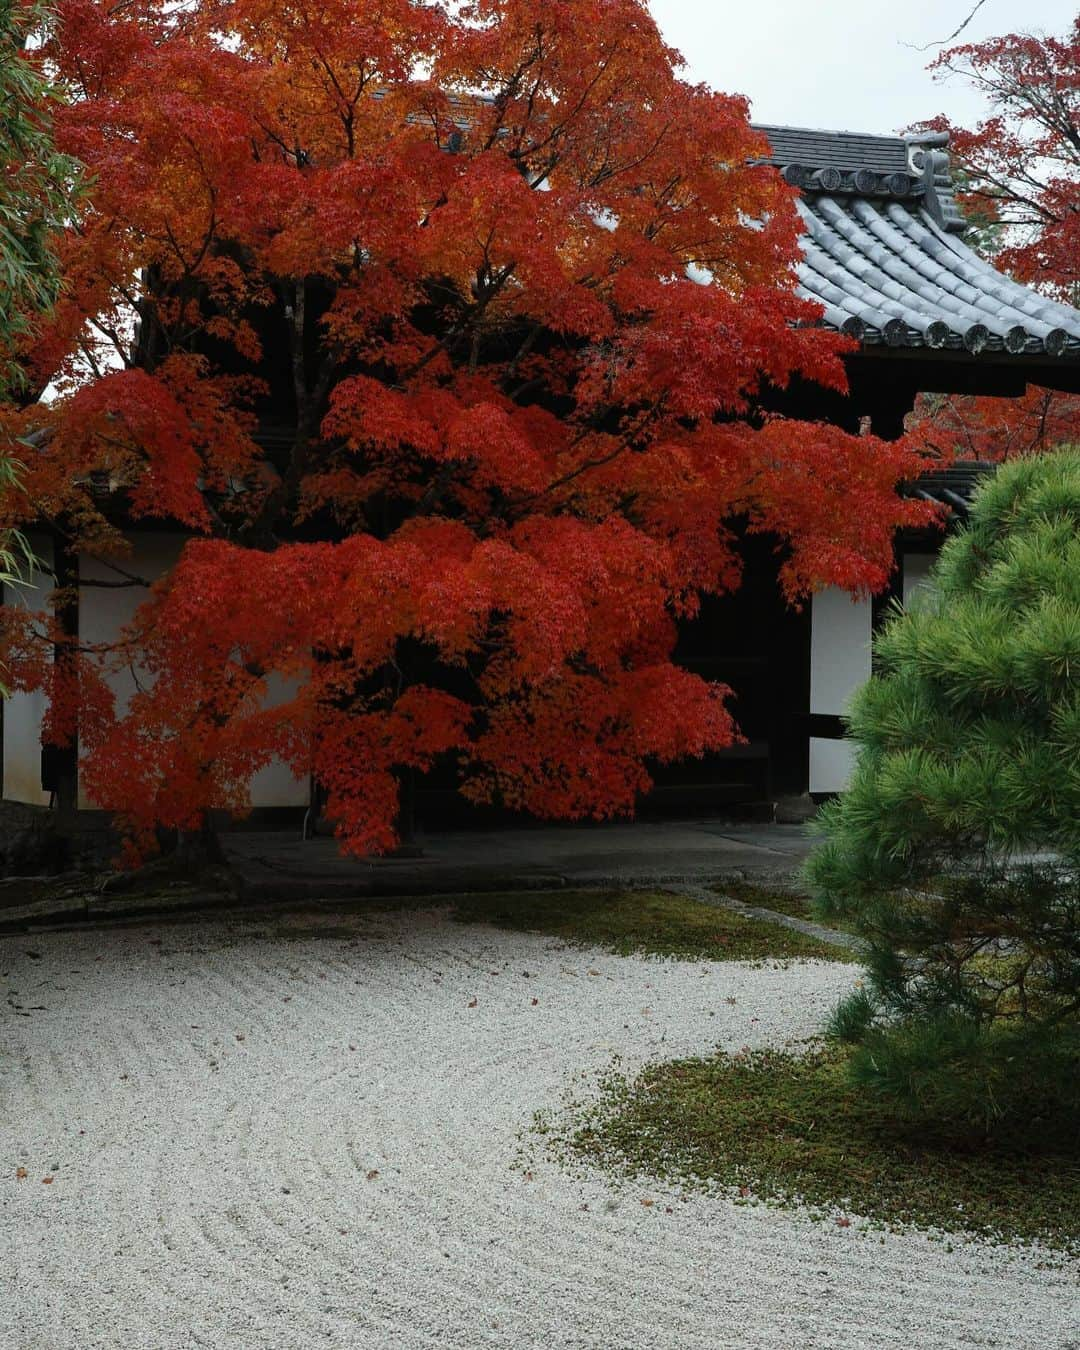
{"x":841,"y":64}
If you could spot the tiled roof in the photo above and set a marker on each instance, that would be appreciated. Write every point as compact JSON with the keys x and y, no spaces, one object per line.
{"x":953,"y":485}
{"x":883,"y":254}
{"x":835,"y":149}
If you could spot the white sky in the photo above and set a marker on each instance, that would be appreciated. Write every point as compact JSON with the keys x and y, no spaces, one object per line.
{"x":841,"y":64}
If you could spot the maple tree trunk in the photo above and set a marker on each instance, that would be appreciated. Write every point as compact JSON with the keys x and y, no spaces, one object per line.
{"x":202,"y":847}
{"x":182,"y":855}
{"x":192,"y":850}
{"x":406,"y":817}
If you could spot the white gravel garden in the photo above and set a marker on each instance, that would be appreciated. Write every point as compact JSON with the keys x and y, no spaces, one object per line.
{"x":298,"y":1132}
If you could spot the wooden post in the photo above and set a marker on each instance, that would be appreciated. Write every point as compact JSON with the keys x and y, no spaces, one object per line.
{"x":66,"y":609}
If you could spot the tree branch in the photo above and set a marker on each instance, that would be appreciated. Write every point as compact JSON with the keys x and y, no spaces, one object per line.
{"x":956,"y":32}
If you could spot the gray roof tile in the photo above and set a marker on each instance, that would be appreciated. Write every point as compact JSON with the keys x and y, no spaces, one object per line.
{"x":883,"y":256}
{"x":835,"y":149}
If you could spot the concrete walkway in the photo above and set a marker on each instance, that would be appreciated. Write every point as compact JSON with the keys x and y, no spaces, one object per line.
{"x":280,"y":866}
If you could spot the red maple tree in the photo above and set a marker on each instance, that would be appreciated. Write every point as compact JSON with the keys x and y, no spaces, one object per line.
{"x":1019,"y":174}
{"x":398,"y":309}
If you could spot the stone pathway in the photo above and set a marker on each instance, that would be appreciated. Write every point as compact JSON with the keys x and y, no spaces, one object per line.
{"x":594,"y":855}
{"x":709,"y":895}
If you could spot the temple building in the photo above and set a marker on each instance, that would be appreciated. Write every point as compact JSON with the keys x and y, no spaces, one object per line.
{"x":885,"y":258}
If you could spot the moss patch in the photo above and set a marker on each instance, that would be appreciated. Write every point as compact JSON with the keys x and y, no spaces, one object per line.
{"x":17,"y":893}
{"x":650,"y":923}
{"x":784,"y":901}
{"x":643,"y":923}
{"x":794,"y":1129}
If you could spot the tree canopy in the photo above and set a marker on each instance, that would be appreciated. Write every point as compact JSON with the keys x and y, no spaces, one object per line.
{"x":446,"y":331}
{"x":1018,"y":170}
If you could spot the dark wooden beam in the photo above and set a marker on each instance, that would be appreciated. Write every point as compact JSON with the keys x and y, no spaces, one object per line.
{"x":64,"y":761}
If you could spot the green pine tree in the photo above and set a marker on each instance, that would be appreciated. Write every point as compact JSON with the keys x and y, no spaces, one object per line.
{"x":955,"y":855}
{"x":39,"y":193}
{"x":39,"y":187}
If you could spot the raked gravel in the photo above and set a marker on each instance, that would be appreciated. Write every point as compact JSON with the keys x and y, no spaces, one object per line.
{"x":282,"y":1137}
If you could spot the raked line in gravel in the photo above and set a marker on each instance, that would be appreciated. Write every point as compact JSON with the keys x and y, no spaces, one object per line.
{"x":267,"y":1138}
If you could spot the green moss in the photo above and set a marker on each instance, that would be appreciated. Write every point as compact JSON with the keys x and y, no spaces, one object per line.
{"x":795,"y":904}
{"x":651,"y":923}
{"x":783,"y":901}
{"x":645,"y":923}
{"x":18,"y":892}
{"x":795,"y":1129}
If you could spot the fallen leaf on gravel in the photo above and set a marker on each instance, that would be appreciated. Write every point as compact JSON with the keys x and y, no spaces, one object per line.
{"x":648,"y":1203}
{"x":843,"y":1223}
{"x":47,"y":1181}
{"x":20,"y":1174}
{"x":744,"y":1191}
{"x":474,"y":1003}
{"x":373,"y":1174}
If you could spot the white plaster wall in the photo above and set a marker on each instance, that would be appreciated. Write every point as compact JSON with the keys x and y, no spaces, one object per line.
{"x":839,"y":650}
{"x":103,"y":613}
{"x":916,"y":576}
{"x":23,"y":713}
{"x":840,"y":661}
{"x":831,"y":765}
{"x":105,"y":610}
{"x":275,"y":785}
